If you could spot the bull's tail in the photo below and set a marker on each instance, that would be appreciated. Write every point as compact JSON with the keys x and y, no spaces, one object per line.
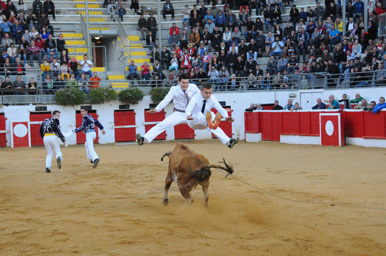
{"x":201,"y":175}
{"x":166,"y":154}
{"x":228,"y":168}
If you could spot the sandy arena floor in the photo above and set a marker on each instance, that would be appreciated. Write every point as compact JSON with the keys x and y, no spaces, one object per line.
{"x":117,"y":208}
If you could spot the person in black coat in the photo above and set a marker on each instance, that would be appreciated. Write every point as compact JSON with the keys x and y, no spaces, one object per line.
{"x":37,"y":8}
{"x":49,"y":8}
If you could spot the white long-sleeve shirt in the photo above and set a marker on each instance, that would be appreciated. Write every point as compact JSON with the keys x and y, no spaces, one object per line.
{"x":178,"y":96}
{"x":195,"y":105}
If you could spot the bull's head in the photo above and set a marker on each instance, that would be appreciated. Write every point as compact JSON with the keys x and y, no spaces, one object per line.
{"x":228,"y":168}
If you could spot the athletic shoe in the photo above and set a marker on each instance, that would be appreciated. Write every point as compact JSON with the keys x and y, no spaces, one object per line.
{"x":59,"y":162}
{"x":232,"y":142}
{"x":140,"y":139}
{"x":96,"y":161}
{"x":208,"y":117}
{"x":217,"y":120}
{"x":48,"y":170}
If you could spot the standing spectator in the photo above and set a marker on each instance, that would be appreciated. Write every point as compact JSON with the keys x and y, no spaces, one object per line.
{"x":86,"y":65}
{"x":94,"y":81}
{"x":152,"y":25}
{"x":168,"y":9}
{"x":49,"y":8}
{"x":37,"y":8}
{"x":142,"y":24}
{"x":132,"y":69}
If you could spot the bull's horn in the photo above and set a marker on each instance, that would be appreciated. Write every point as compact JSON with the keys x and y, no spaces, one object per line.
{"x":166,"y":154}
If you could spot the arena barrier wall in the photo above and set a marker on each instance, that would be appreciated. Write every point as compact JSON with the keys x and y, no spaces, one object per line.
{"x":3,"y":130}
{"x":327,"y":127}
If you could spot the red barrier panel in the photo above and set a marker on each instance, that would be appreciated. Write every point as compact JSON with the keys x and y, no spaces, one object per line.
{"x":80,"y":136}
{"x":183,"y":131}
{"x":314,"y":123}
{"x":3,"y":137}
{"x":374,"y":125}
{"x":122,"y":119}
{"x":35,"y":121}
{"x":354,"y":124}
{"x":266,"y":125}
{"x":305,"y":123}
{"x":157,"y":117}
{"x":290,"y":123}
{"x":252,"y":122}
{"x":276,"y":125}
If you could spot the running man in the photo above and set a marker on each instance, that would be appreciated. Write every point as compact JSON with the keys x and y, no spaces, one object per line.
{"x":88,"y":127}
{"x":181,"y":95}
{"x":199,"y":115}
{"x":50,"y":131}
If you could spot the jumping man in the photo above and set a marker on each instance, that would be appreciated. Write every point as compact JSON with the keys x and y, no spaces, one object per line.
{"x":50,"y":131}
{"x":88,"y":127}
{"x":199,"y":115}
{"x":181,"y":95}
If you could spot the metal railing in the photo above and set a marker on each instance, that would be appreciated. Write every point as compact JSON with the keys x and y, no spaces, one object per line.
{"x":125,"y":42}
{"x":382,"y":24}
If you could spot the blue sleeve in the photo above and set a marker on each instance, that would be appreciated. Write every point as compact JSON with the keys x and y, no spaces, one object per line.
{"x":378,"y":108}
{"x":98,"y":124}
{"x":81,"y":127}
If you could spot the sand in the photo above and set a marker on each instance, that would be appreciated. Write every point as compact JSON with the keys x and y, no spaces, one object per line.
{"x":116,"y":209}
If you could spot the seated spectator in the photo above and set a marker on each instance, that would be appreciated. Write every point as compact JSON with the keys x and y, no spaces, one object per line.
{"x":86,"y":65}
{"x":145,"y":71}
{"x":296,"y":107}
{"x":61,"y":44}
{"x":49,"y":8}
{"x":276,"y":106}
{"x":64,"y":57}
{"x":12,"y":53}
{"x":362,"y":105}
{"x":268,"y":16}
{"x":64,"y":71}
{"x":59,"y":83}
{"x":168,"y":9}
{"x":72,"y":81}
{"x":186,"y":15}
{"x":135,"y":5}
{"x":194,"y":37}
{"x":94,"y":81}
{"x":48,"y":85}
{"x":122,"y":10}
{"x":50,"y":45}
{"x":41,"y":44}
{"x":112,"y":9}
{"x":18,"y":67}
{"x":371,"y":107}
{"x":34,"y":53}
{"x":269,"y":42}
{"x":21,"y":7}
{"x":289,"y":105}
{"x":7,"y":84}
{"x":44,"y":34}
{"x":277,"y":47}
{"x":19,"y":84}
{"x":231,"y":20}
{"x":251,"y":108}
{"x":150,"y":40}
{"x":7,"y":67}
{"x":32,"y":83}
{"x":132,"y":69}
{"x":17,"y":31}
{"x":73,"y":67}
{"x":6,"y":41}
{"x":174,"y":63}
{"x":236,"y":35}
{"x":358,"y":98}
{"x":186,"y":61}
{"x":83,"y":82}
{"x":333,"y":104}
{"x":37,"y":7}
{"x":381,"y":105}
{"x":345,"y":101}
{"x":157,"y":71}
{"x":165,"y":57}
{"x":54,"y":68}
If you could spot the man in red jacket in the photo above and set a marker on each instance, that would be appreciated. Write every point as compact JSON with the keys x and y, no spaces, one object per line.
{"x":41,"y":44}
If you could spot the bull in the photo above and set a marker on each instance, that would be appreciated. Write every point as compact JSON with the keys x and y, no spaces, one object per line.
{"x":188,"y":169}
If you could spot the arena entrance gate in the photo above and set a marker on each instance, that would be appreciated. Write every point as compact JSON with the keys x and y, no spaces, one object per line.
{"x":152,"y":119}
{"x":36,"y":118}
{"x":3,"y":131}
{"x":225,"y":126}
{"x":124,"y":125}
{"x":80,"y":136}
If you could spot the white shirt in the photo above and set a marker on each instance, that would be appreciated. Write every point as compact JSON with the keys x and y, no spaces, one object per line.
{"x":195,"y":105}
{"x":178,"y":96}
{"x":87,"y":66}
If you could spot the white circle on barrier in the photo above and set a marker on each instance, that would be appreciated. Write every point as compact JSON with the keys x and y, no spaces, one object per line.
{"x":20,"y":130}
{"x":329,"y":128}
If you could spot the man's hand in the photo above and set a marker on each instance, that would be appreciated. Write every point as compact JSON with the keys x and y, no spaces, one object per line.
{"x":189,"y":117}
{"x":152,"y":111}
{"x":229,"y":119}
{"x":103,"y":132}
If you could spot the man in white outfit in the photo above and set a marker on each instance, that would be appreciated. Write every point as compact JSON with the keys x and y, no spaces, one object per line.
{"x":50,"y":131}
{"x":88,"y":127}
{"x":201,"y":104}
{"x":181,"y":95}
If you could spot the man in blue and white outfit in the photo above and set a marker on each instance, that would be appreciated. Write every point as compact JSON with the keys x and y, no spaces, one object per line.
{"x":50,"y":131}
{"x":88,"y":127}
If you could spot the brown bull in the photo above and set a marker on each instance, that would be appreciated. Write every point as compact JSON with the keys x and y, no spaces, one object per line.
{"x":188,"y":169}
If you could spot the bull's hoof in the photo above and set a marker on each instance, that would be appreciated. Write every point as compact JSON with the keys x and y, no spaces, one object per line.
{"x":166,"y":202}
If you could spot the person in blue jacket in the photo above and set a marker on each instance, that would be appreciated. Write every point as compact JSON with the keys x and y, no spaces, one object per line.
{"x":380,"y":105}
{"x":88,"y":127}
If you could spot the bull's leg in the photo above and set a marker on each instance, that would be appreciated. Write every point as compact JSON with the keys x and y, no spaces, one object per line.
{"x":185,"y":192}
{"x":168,"y":183}
{"x":205,"y":188}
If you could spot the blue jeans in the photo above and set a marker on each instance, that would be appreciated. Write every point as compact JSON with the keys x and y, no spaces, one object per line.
{"x":267,"y":24}
{"x":121,"y":13}
{"x":24,"y":58}
{"x":89,"y":73}
{"x":276,"y":53}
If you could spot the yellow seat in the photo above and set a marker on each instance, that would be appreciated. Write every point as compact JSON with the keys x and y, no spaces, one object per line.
{"x":120,"y":85}
{"x":116,"y":77}
{"x":98,"y":69}
{"x":82,"y":6}
{"x":77,"y":50}
{"x":75,"y":42}
{"x":72,"y":35}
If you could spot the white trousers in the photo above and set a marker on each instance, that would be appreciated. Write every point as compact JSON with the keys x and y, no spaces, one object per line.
{"x":89,"y":144}
{"x":52,"y":144}
{"x":199,"y":123}
{"x":174,"y":119}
